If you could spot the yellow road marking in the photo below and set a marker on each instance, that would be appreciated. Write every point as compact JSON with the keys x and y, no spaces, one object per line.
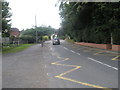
{"x":73,"y":46}
{"x":66,"y":58}
{"x":106,"y":53}
{"x":60,"y":76}
{"x":86,"y":50}
{"x":71,"y":70}
{"x":60,"y":61}
{"x":115,"y":58}
{"x":59,"y":57}
{"x":64,"y":65}
{"x":86,"y":84}
{"x":98,"y":52}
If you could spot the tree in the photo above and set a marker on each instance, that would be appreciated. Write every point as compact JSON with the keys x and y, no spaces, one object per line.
{"x":91,"y":21}
{"x":28,"y":38}
{"x":41,"y":31}
{"x":6,"y":19}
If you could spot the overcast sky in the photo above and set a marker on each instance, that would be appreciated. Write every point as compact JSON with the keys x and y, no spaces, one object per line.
{"x":24,"y":11}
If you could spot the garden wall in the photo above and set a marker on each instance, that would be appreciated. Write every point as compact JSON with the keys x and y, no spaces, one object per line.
{"x":116,"y":47}
{"x":102,"y":46}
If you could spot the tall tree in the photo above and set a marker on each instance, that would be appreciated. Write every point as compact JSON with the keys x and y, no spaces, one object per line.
{"x":6,"y":25}
{"x":30,"y":34}
{"x":91,"y":21}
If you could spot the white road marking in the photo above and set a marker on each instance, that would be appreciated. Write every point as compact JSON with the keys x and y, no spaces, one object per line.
{"x":51,"y":48}
{"x":78,"y":53}
{"x":48,"y":74}
{"x":45,"y":66}
{"x":72,"y":51}
{"x":103,"y":63}
{"x":93,"y":59}
{"x":65,"y":48}
{"x":107,"y":65}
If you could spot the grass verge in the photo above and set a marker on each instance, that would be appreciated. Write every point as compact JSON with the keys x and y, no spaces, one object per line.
{"x":15,"y":49}
{"x":70,"y":40}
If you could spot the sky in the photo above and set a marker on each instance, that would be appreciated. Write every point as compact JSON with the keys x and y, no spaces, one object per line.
{"x":24,"y":11}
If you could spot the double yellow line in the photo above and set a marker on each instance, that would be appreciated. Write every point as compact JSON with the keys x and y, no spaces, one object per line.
{"x":75,"y":67}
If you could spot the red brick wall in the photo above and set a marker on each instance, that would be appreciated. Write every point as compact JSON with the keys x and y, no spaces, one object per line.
{"x":102,"y":46}
{"x":116,"y":47}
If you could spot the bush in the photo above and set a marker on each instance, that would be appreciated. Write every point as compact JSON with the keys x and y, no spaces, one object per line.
{"x":28,"y":38}
{"x":45,"y":37}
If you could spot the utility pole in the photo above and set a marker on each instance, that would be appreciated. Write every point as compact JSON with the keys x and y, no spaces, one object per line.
{"x":36,"y":30}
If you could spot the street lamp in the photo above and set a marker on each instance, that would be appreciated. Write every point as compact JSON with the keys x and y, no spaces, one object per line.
{"x":36,"y":30}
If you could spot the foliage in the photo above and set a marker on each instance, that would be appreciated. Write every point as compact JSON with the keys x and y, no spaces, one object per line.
{"x":92,"y":22}
{"x":116,"y":36}
{"x":70,"y":40}
{"x":6,"y":19}
{"x":28,"y":38}
{"x":45,"y":37}
{"x":30,"y":34}
{"x":61,"y":34}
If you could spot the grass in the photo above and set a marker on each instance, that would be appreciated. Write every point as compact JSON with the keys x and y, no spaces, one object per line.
{"x":15,"y":49}
{"x":70,"y":40}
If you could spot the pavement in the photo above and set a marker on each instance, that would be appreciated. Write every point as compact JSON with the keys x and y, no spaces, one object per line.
{"x":61,"y":66}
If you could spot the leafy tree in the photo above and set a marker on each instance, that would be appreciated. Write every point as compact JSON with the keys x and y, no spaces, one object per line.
{"x":28,"y":38}
{"x":45,"y":37}
{"x":91,"y":21}
{"x":41,"y":31}
{"x":6,"y":19}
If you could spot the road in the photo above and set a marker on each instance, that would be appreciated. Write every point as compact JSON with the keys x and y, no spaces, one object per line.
{"x":60,"y":66}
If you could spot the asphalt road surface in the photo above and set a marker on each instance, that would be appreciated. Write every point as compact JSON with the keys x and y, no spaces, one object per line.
{"x":60,"y":66}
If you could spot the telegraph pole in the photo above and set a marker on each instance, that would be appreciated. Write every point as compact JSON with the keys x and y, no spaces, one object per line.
{"x":36,"y":29}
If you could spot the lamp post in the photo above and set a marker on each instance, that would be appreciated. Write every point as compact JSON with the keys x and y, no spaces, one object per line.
{"x":36,"y":30}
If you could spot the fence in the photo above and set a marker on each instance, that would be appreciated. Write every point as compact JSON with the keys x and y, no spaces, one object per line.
{"x":6,"y":41}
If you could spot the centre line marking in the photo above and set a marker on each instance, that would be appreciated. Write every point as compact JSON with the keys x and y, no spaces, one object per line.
{"x":78,"y":53}
{"x":65,"y":48}
{"x":72,"y":51}
{"x":48,"y":74}
{"x":75,"y":67}
{"x":103,"y":63}
{"x":45,"y":66}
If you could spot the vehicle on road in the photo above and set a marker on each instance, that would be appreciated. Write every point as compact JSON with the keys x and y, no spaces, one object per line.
{"x":56,"y":41}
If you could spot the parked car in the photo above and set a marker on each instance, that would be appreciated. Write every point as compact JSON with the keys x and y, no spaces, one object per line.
{"x":56,"y":41}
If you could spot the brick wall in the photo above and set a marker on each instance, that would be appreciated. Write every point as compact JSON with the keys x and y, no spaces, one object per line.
{"x":116,"y":47}
{"x":102,"y":46}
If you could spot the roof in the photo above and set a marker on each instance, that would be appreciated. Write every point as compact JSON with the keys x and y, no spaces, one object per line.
{"x":14,"y":29}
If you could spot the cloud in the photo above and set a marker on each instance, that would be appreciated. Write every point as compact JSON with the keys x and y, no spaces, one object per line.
{"x":24,"y":12}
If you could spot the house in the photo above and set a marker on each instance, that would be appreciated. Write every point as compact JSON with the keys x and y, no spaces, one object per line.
{"x":14,"y":32}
